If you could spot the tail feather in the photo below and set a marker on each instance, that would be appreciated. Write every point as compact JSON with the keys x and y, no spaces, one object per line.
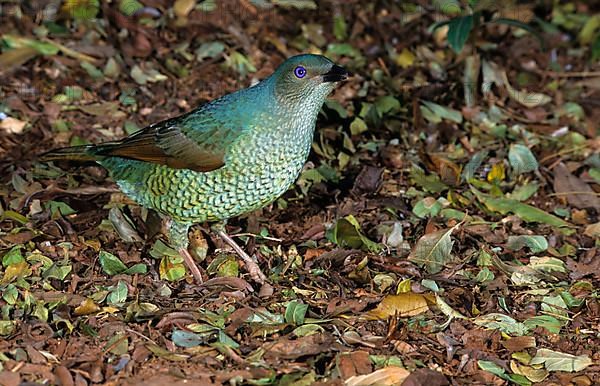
{"x":75,"y":153}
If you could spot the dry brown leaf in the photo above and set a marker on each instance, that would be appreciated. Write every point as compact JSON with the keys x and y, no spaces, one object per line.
{"x":390,"y":375}
{"x":295,"y":348}
{"x":12,"y":125}
{"x":449,"y":171}
{"x":593,"y":230}
{"x":426,"y":376}
{"x":522,"y":12}
{"x":577,"y":193}
{"x":518,"y":343}
{"x":354,"y":363}
{"x":16,"y":57}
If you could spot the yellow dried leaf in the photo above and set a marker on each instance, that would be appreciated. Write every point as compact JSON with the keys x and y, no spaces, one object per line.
{"x":15,"y":271}
{"x":497,"y":173}
{"x":405,"y":58}
{"x":110,"y":309}
{"x":88,"y":306}
{"x":182,"y":8}
{"x":404,"y":286}
{"x":403,"y":305}
{"x":533,"y":374}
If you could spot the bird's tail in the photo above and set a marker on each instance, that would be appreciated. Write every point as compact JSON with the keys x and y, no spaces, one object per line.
{"x":75,"y":153}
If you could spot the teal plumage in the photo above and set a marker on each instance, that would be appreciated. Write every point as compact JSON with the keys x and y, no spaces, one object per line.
{"x":230,"y":156}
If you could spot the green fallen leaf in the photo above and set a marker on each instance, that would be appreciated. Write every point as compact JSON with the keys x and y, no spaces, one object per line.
{"x":298,"y":4}
{"x":111,"y":264}
{"x":118,"y":344}
{"x":186,"y":339}
{"x":57,"y":271}
{"x":118,"y":293}
{"x":10,"y":294}
{"x":435,"y":113}
{"x":7,"y":327}
{"x":473,"y":164}
{"x":239,"y":63}
{"x":558,"y":361}
{"x":459,"y":30}
{"x":387,"y":104}
{"x":548,"y":322}
{"x":503,"y":323}
{"x":524,"y":192}
{"x":521,"y":159}
{"x":171,"y":268}
{"x":13,"y":256}
{"x":547,"y":264}
{"x":209,"y":50}
{"x":431,"y":182}
{"x":295,"y":312}
{"x":346,"y":233}
{"x":555,"y":306}
{"x":339,"y":27}
{"x":495,"y":369}
{"x":139,"y":268}
{"x":526,"y":212}
{"x":225,"y":340}
{"x":427,"y":207}
{"x":59,"y":208}
{"x":44,"y":48}
{"x":534,"y":243}
{"x":308,"y":329}
{"x":166,"y":354}
{"x":358,"y":126}
{"x":433,"y":250}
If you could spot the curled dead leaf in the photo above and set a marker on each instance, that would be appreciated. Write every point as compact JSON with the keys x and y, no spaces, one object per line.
{"x":12,"y":125}
{"x":390,"y":375}
{"x":402,"y":305}
{"x":573,"y":189}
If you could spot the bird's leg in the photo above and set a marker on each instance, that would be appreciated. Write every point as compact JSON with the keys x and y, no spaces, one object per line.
{"x":178,"y":237}
{"x":191,"y":264}
{"x":253,"y":269}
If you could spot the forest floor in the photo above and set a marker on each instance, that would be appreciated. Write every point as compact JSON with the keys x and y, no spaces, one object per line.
{"x":444,"y":231}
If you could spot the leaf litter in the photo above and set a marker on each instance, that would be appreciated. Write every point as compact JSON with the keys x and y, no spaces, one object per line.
{"x":445,"y":228}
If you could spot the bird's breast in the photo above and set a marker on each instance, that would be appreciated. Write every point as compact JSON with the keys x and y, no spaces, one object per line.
{"x":259,"y":167}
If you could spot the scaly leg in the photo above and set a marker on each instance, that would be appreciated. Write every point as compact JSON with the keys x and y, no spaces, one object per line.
{"x":253,"y":269}
{"x":191,"y":264}
{"x":178,"y":238}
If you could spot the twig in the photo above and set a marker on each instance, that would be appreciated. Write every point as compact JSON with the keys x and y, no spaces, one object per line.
{"x":257,"y":236}
{"x":72,"y":53}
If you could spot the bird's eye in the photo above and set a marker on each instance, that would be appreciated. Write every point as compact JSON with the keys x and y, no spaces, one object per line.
{"x":300,"y":72}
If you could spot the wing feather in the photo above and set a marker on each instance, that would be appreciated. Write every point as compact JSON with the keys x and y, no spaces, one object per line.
{"x":176,"y":144}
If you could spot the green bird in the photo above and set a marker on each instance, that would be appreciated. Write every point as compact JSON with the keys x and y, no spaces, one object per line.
{"x":227,"y":157}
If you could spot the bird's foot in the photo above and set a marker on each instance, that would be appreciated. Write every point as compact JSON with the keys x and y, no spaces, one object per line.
{"x":191,"y":264}
{"x":253,"y":269}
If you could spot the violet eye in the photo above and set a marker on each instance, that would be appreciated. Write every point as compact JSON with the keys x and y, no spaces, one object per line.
{"x":300,"y":72}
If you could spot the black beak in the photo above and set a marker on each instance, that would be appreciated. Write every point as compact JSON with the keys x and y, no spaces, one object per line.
{"x":335,"y":74}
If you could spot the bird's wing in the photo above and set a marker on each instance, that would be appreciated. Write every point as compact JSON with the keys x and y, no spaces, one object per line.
{"x":175,"y":144}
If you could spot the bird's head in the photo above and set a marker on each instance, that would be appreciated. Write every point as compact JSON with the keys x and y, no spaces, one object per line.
{"x":306,"y":79}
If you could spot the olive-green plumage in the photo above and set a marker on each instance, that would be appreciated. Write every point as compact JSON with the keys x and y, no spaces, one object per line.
{"x":230,"y":156}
